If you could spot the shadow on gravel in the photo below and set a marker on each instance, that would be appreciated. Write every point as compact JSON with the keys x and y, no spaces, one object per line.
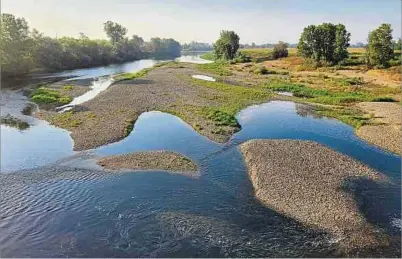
{"x":380,"y":203}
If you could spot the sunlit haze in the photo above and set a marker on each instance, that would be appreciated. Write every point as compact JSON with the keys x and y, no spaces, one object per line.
{"x":255,"y":20}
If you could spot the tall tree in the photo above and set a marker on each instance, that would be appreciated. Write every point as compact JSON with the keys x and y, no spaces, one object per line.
{"x":15,"y":45}
{"x":114,"y":31}
{"x":325,"y":42}
{"x":342,"y":40}
{"x":380,"y":47}
{"x":227,"y":45}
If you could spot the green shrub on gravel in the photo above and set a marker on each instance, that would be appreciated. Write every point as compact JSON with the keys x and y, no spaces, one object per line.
{"x":44,"y":95}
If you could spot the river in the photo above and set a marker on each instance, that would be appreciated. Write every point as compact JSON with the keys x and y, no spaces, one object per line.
{"x":79,"y":211}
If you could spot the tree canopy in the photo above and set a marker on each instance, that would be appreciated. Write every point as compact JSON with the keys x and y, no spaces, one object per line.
{"x":324,"y":43}
{"x":227,"y":45}
{"x":114,"y":31}
{"x":23,"y":49}
{"x":380,"y":49}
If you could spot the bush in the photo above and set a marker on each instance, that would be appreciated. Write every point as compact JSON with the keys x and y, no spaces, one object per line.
{"x":44,"y":99}
{"x":222,"y":118}
{"x":280,"y":50}
{"x":242,"y":58}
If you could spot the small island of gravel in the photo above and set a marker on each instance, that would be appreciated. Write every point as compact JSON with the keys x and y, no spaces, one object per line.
{"x":306,"y":181}
{"x":151,"y":160}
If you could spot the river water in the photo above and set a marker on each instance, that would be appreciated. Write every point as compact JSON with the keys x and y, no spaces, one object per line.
{"x":77,"y":211}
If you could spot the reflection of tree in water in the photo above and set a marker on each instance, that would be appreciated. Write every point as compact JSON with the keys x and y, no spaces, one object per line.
{"x":305,"y":110}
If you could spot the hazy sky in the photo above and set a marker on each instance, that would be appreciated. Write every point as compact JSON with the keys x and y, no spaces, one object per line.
{"x":259,"y":21}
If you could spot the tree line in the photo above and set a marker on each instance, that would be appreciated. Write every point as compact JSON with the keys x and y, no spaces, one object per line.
{"x":24,"y":50}
{"x":325,"y":44}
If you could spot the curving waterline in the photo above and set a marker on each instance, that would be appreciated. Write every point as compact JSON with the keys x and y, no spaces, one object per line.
{"x":98,"y":85}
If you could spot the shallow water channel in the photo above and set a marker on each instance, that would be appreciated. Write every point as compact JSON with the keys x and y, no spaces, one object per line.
{"x":54,"y":211}
{"x":49,"y":210}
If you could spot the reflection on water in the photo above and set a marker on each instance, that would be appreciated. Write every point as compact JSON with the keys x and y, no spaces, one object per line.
{"x":96,"y":88}
{"x":288,"y":120}
{"x":94,"y":72}
{"x":193,"y":58}
{"x":161,"y":131}
{"x":38,"y":145}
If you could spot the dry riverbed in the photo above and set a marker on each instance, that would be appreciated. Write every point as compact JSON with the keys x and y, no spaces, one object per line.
{"x":309,"y":182}
{"x":209,"y":107}
{"x":386,"y":131}
{"x":152,"y":160}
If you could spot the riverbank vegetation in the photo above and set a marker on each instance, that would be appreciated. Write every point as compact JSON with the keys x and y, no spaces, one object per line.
{"x":44,"y":95}
{"x":24,"y":50}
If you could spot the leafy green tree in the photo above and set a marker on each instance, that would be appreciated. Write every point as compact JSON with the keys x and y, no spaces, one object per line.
{"x":227,"y":45}
{"x":380,"y":48}
{"x":280,"y":50}
{"x":22,"y":49}
{"x":324,"y":43}
{"x":342,"y":40}
{"x":114,"y":31}
{"x":15,"y":45}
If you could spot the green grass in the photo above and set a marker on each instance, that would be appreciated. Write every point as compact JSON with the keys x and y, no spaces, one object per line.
{"x":65,"y":120}
{"x":221,"y":117}
{"x":208,"y":56}
{"x":44,"y":95}
{"x":218,"y":68}
{"x":68,"y":87}
{"x":325,"y":96}
{"x":233,"y":98}
{"x":14,"y":122}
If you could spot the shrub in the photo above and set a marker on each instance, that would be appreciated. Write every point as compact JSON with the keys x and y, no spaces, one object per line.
{"x":222,"y":118}
{"x":242,"y":58}
{"x":280,"y":50}
{"x":44,"y":99}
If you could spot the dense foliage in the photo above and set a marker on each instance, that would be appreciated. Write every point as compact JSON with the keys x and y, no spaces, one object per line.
{"x":196,"y":46}
{"x":280,"y":50}
{"x":226,"y":46}
{"x":24,"y":50}
{"x":324,"y":43}
{"x":380,"y":49}
{"x":398,"y":45}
